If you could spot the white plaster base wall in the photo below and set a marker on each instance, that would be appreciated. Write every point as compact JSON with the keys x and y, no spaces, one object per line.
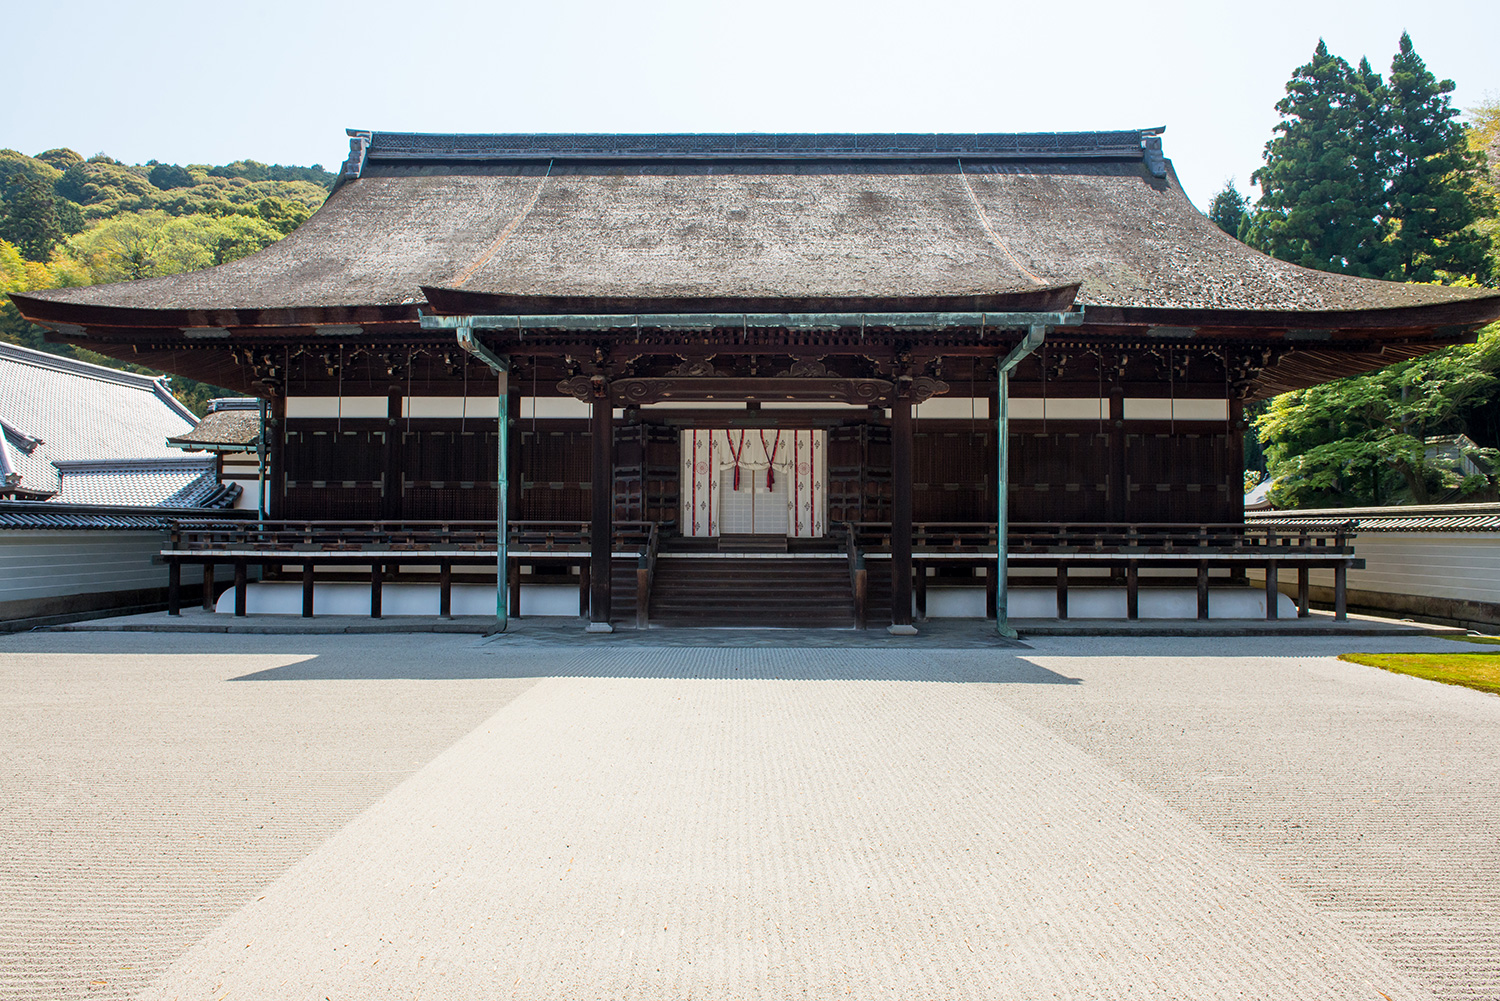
{"x":1107,"y":603}
{"x":285,"y":598}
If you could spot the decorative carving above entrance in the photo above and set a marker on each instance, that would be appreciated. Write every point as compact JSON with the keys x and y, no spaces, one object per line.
{"x":689,"y":389}
{"x":925,"y":387}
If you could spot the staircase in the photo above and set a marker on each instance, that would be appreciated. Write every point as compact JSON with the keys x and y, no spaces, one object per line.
{"x":791,"y":592}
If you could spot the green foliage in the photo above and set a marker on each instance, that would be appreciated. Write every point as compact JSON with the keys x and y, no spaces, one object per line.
{"x":167,"y":176}
{"x":1362,"y":440}
{"x":151,"y":243}
{"x":252,"y":170}
{"x":1230,"y":210}
{"x":29,"y":219}
{"x":1372,"y":178}
{"x":1319,"y":184}
{"x":67,"y":221}
{"x":1433,"y":195}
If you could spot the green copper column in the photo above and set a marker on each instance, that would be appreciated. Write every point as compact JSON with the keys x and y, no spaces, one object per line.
{"x":1033,"y":340}
{"x":501,"y":367}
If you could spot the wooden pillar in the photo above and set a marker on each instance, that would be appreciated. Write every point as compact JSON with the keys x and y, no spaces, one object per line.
{"x":1203,"y":590}
{"x":861,"y":594}
{"x":1340,"y":592}
{"x":514,"y":590}
{"x":395,"y":476}
{"x":240,"y":587}
{"x":901,"y":448}
{"x":307,"y":590}
{"x":375,"y":589}
{"x":602,"y":496}
{"x":1303,"y":591}
{"x":1119,"y":476}
{"x":1132,"y":590}
{"x":1062,"y":590}
{"x":445,"y":589}
{"x":1272,"y":590}
{"x":276,"y":483}
{"x":583,"y":590}
{"x":208,"y":587}
{"x":991,"y":589}
{"x":174,"y":586}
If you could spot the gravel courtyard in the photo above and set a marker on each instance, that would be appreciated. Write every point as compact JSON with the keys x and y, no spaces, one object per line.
{"x":451,"y":816}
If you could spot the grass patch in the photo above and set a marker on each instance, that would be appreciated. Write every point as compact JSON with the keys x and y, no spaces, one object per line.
{"x":1472,"y":670}
{"x":1480,"y":640}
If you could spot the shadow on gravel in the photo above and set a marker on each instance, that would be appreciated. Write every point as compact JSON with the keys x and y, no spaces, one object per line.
{"x":688,"y":664}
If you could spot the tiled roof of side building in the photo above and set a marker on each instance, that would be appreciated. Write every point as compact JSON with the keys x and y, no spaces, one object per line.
{"x":59,"y":409}
{"x":568,"y":221}
{"x":1483,"y":517}
{"x":180,"y":481}
{"x":50,"y":515}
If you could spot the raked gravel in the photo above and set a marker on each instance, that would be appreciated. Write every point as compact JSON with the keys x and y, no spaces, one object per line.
{"x":454,"y":817}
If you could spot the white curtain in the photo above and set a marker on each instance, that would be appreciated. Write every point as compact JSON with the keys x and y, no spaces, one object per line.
{"x":797,"y":459}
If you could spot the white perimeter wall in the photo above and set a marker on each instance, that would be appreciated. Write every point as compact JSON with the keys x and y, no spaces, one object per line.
{"x":55,"y":564}
{"x":1460,"y":566}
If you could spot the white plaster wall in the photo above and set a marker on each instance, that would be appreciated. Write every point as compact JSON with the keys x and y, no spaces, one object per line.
{"x":1107,"y":603}
{"x":1464,"y":566}
{"x":347,"y":598}
{"x":53,"y":564}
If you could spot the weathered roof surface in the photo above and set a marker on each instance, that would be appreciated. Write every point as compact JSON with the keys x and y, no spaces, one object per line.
{"x":1410,"y":518}
{"x":230,"y":425}
{"x":178,"y":481}
{"x":55,"y":409}
{"x":566,"y":223}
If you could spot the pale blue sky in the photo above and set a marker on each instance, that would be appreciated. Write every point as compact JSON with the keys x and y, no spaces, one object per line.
{"x":279,"y":81}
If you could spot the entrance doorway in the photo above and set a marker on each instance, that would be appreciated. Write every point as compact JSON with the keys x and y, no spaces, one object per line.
{"x":753,"y":509}
{"x":795,"y":503}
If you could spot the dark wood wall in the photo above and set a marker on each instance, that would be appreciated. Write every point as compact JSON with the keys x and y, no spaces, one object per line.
{"x":1073,"y":471}
{"x":427,"y":469}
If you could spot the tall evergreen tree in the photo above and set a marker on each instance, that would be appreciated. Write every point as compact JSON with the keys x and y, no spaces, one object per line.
{"x":1435,"y":193}
{"x":30,"y":218}
{"x":1314,"y":208}
{"x":1229,"y":210}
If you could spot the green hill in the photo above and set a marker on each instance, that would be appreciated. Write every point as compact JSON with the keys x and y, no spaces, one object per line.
{"x":67,"y":221}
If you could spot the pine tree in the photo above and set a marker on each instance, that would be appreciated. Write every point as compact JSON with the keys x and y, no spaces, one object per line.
{"x":1315,"y":207}
{"x":1435,"y":195}
{"x":1229,"y":210}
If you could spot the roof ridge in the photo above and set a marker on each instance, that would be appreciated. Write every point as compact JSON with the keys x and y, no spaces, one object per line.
{"x":75,"y":366}
{"x":749,"y":145}
{"x":167,"y":462}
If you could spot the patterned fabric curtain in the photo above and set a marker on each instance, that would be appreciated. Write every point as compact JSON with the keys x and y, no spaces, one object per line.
{"x":797,"y":459}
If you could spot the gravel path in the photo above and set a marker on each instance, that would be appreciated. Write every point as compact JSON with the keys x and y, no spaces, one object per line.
{"x":447,"y":816}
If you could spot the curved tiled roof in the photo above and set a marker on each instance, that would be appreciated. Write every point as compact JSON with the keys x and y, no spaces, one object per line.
{"x":1484,"y":517}
{"x":56,"y":409}
{"x":759,"y":218}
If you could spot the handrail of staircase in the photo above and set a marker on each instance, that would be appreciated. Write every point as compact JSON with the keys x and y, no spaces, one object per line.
{"x":859,"y":577}
{"x":645,"y":572}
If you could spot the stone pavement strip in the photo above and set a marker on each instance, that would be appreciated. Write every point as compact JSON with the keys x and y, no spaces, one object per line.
{"x":722,"y":823}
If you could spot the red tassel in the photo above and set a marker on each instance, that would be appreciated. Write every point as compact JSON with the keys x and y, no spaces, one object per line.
{"x":736,"y":476}
{"x":770,"y":478}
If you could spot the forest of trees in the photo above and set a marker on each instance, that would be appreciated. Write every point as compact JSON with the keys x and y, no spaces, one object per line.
{"x":67,"y":221}
{"x":1380,"y":177}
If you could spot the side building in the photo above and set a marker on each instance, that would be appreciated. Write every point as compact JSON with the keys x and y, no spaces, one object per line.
{"x":87,"y":481}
